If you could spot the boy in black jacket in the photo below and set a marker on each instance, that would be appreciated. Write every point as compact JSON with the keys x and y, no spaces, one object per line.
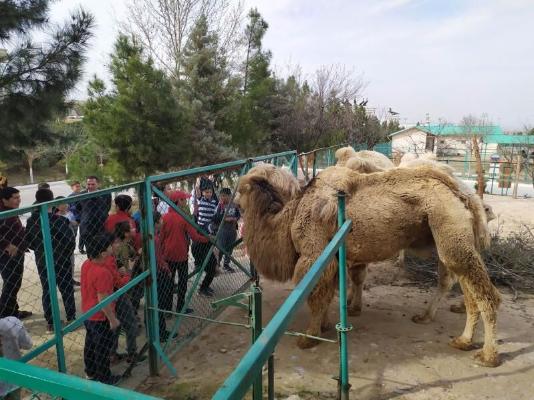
{"x":63,"y":245}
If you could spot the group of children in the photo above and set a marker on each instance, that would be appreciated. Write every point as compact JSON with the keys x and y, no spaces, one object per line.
{"x":113,"y":259}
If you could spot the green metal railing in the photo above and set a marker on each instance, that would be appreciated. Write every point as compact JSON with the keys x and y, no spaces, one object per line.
{"x":69,"y":387}
{"x":145,"y":190}
{"x":250,"y":366}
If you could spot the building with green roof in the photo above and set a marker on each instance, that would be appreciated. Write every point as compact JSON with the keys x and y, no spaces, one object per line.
{"x":454,"y":140}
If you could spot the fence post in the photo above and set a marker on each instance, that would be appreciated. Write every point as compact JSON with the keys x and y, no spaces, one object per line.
{"x":255,"y":309}
{"x":270,"y":378}
{"x":294,"y":164}
{"x":151,"y":292}
{"x":342,"y":327}
{"x":517,"y":173}
{"x":51,"y":275}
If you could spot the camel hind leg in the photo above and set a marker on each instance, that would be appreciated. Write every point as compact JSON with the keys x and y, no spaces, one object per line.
{"x":357,"y":275}
{"x":319,"y":300}
{"x":446,"y":280}
{"x":465,"y":340}
{"x":456,"y":248}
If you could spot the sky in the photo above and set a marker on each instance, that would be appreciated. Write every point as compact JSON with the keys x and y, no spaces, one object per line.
{"x":444,"y":58}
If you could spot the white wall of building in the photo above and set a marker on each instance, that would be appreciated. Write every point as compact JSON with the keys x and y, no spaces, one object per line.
{"x":412,"y":140}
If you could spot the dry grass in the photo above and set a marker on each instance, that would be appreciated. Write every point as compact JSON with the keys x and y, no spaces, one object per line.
{"x":510,"y":261}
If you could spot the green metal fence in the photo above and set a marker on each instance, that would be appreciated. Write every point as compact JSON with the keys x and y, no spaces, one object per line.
{"x":58,"y":339}
{"x":250,"y":367}
{"x":501,"y":172}
{"x":40,"y":383}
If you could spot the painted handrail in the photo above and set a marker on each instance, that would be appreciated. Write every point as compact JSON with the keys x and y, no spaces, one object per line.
{"x":237,"y":384}
{"x":62,"y":385}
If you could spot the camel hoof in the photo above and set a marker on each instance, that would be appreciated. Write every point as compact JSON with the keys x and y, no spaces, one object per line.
{"x":461,"y":344}
{"x":354,"y":312}
{"x":307,"y":343}
{"x":422,"y":319}
{"x":458,"y":308}
{"x":491,"y":361}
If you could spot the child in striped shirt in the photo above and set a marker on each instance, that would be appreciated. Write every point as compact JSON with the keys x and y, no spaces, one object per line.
{"x":207,"y":207}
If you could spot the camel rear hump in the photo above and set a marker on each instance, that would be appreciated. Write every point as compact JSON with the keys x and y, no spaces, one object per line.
{"x":472,"y":202}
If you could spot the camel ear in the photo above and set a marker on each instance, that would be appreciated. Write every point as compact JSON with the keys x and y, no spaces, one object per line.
{"x":266,"y":197}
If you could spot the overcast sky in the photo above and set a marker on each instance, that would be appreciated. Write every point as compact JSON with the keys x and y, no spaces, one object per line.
{"x":447,"y":58}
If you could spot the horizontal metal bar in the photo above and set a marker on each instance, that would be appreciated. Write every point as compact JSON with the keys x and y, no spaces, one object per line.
{"x":300,"y":334}
{"x":62,"y":385}
{"x":276,"y":155}
{"x":68,"y":200}
{"x":196,"y":171}
{"x":237,"y":384}
{"x":215,"y":321}
{"x":323,"y":148}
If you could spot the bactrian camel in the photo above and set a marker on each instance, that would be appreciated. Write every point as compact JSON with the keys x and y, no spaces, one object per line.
{"x":371,"y":161}
{"x":288,"y":227}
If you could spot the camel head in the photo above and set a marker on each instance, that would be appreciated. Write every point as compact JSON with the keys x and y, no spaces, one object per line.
{"x":266,"y":187}
{"x":343,"y":155}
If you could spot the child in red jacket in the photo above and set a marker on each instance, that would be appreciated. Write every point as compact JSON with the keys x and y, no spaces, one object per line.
{"x":174,"y":236}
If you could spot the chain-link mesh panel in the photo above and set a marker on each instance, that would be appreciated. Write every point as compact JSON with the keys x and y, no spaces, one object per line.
{"x":72,"y":235}
{"x":203,"y":273}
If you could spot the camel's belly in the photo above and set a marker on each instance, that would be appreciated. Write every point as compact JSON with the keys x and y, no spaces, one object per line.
{"x":380,"y":234}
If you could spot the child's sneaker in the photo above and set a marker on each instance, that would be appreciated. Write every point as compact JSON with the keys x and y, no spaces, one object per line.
{"x":228,"y":269}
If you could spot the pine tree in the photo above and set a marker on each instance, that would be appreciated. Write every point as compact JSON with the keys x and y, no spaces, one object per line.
{"x":35,"y":78}
{"x":253,"y":123}
{"x":207,"y":91}
{"x":138,"y":121}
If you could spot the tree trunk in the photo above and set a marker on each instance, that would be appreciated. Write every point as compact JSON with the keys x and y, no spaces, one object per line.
{"x":30,"y":167}
{"x":66,"y":167}
{"x":480,"y":171}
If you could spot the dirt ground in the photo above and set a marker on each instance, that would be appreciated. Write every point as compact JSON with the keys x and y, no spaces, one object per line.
{"x":390,"y":356}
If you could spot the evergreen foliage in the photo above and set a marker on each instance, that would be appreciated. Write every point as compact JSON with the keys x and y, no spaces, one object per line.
{"x":34,"y":77}
{"x":138,"y":120}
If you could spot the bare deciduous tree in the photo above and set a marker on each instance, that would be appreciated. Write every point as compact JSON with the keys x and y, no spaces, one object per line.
{"x":477,"y":129}
{"x":163,"y":27}
{"x":32,"y":154}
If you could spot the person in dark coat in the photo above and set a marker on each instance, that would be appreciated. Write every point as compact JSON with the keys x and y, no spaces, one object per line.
{"x":63,"y":245}
{"x":93,"y":212}
{"x":12,"y":248}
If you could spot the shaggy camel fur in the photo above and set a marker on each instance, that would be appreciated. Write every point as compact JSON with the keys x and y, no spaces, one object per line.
{"x":364,"y":161}
{"x":287,"y":229}
{"x":372,"y":161}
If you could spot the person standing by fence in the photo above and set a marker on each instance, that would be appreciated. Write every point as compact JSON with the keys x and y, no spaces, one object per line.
{"x":225,"y":221}
{"x":207,"y":207}
{"x":63,"y":245}
{"x":93,"y":212}
{"x":96,"y":284}
{"x":175,"y":246}
{"x":12,"y":248}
